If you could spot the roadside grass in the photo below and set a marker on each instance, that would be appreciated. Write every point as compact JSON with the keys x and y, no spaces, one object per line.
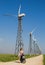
{"x":43,"y":59}
{"x":29,"y":56}
{"x":11,"y":57}
{"x":8,"y":57}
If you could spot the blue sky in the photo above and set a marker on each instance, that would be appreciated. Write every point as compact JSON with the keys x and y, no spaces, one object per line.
{"x":35,"y":18}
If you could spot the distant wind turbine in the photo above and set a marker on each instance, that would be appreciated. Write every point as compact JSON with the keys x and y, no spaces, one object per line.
{"x":31,"y":40}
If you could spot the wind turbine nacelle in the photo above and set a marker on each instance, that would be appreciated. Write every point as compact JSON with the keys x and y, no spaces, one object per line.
{"x":30,"y":33}
{"x":21,"y":15}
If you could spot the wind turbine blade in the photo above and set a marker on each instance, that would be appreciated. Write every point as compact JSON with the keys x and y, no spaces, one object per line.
{"x":33,"y":30}
{"x":19,"y":10}
{"x":9,"y":15}
{"x":34,"y":39}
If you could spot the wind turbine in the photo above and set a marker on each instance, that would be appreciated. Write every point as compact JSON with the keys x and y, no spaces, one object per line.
{"x":31,"y":40}
{"x":19,"y":42}
{"x":37,"y":49}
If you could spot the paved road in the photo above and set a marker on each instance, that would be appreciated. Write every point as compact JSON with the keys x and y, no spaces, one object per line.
{"x":31,"y":61}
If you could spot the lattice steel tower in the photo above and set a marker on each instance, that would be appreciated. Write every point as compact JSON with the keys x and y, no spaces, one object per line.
{"x":19,"y":42}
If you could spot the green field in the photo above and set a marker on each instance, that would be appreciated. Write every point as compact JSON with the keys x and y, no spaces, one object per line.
{"x":8,"y":57}
{"x":44,"y":59}
{"x":11,"y":57}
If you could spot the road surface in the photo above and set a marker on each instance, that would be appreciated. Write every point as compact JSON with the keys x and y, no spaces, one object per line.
{"x":38,"y":60}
